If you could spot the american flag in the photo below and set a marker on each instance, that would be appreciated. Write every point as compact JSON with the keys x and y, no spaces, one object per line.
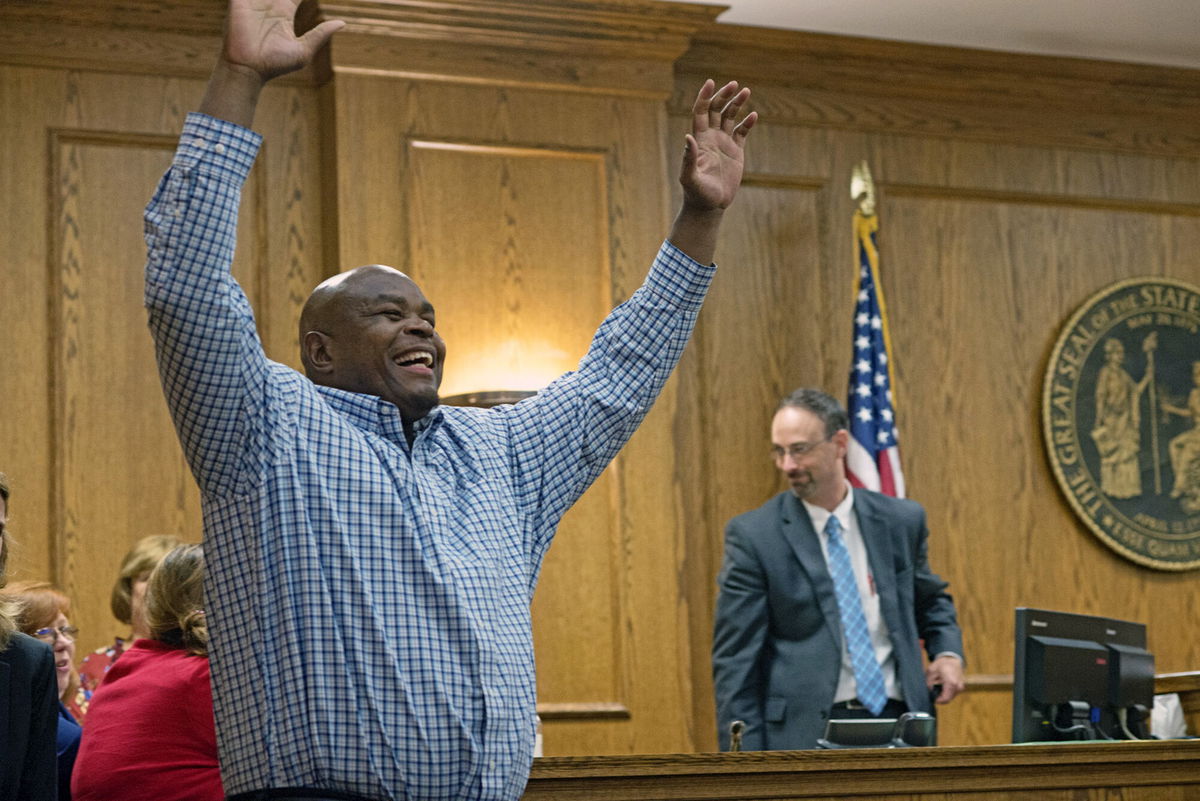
{"x":873,"y":460}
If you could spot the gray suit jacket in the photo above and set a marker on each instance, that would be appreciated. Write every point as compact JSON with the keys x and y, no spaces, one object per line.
{"x":777,"y":641}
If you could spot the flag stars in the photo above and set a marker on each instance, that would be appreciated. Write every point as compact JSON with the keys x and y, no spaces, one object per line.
{"x":862,"y":343}
{"x":880,"y":379}
{"x":863,"y":366}
{"x":882,"y":437}
{"x":876,"y":323}
{"x":863,"y":391}
{"x":862,"y":318}
{"x":886,"y":414}
{"x":864,"y":414}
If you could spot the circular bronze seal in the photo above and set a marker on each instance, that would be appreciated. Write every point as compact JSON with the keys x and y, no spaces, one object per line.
{"x":1121,"y":418}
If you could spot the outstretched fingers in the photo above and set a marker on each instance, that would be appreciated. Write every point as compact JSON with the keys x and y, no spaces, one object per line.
{"x":732,"y":107}
{"x":710,"y":105}
{"x":718,"y":109}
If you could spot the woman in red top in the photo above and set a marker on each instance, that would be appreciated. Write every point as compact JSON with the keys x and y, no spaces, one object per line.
{"x":149,"y":733}
{"x":128,"y":604}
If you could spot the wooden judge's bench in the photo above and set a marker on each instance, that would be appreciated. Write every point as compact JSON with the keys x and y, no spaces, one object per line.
{"x":1166,"y":770}
{"x":1129,"y":771}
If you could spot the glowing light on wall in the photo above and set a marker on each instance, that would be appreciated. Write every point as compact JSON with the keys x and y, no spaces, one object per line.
{"x":506,"y":367}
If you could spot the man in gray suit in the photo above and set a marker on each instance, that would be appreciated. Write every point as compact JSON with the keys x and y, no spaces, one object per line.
{"x":808,"y":566}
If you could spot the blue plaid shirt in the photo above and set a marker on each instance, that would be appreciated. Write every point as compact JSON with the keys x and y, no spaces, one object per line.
{"x":369,"y":601}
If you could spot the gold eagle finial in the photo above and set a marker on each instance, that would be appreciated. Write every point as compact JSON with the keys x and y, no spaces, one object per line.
{"x":862,"y":189}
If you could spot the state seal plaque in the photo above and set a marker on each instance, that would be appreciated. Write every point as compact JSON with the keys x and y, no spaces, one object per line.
{"x":1121,"y":419}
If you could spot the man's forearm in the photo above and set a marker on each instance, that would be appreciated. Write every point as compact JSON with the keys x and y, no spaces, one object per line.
{"x":695,"y":232}
{"x":232,"y":94}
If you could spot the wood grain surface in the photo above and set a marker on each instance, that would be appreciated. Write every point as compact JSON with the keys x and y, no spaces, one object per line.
{"x":519,"y":161}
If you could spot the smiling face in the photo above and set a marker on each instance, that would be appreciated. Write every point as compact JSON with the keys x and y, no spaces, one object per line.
{"x":371,"y":331}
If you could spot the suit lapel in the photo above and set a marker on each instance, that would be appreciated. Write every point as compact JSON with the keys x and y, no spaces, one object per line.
{"x":879,"y":554}
{"x":802,"y":538}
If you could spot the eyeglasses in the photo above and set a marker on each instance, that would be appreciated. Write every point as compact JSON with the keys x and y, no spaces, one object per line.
{"x":49,"y":635}
{"x":796,"y":450}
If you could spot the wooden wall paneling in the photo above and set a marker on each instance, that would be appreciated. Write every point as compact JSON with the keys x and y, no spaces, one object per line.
{"x":117,"y":475}
{"x":1002,"y":532}
{"x":95,"y":458}
{"x":536,"y":301}
{"x":930,"y":91}
{"x":29,"y":104}
{"x":990,"y":237}
{"x":290,"y":207}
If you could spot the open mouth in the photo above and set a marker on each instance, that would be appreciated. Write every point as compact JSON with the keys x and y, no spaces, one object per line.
{"x":416,"y":360}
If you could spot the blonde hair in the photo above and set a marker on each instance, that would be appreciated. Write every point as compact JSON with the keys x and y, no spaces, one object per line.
{"x":8,"y":610}
{"x":141,"y":558}
{"x":175,"y":600}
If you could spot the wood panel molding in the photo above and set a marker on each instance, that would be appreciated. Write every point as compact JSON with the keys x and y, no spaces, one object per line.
{"x":583,"y":711}
{"x":1140,"y":206}
{"x":926,"y":90}
{"x":612,"y":46}
{"x":64,"y":248}
{"x":614,"y":28}
{"x":624,"y":47}
{"x":175,"y":37}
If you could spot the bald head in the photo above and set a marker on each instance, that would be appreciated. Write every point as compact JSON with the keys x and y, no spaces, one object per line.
{"x":326,"y":308}
{"x":370,"y":330}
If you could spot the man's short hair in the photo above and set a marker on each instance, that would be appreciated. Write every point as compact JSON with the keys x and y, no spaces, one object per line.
{"x":822,"y":404}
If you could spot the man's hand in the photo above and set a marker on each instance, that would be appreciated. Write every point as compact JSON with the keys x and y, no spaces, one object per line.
{"x":260,"y":37}
{"x":946,"y":670}
{"x":712,"y":156}
{"x":260,"y":44}
{"x":712,"y":167}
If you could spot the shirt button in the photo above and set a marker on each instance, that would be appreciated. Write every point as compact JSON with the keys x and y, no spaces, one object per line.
{"x":219,"y":149}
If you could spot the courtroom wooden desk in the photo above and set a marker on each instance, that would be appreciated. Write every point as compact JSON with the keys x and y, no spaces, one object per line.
{"x":1124,"y":771}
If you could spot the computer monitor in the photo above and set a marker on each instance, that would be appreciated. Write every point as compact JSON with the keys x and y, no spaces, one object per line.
{"x":1080,"y":677}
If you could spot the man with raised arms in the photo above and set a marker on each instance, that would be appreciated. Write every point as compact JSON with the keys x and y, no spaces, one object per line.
{"x":373,"y":554}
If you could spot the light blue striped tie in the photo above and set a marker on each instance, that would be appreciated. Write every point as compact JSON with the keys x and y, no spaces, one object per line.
{"x":867,"y":675}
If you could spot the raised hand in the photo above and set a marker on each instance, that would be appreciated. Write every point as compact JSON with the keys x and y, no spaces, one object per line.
{"x":260,"y":37}
{"x":712,"y":167}
{"x":260,"y":44}
{"x":713,"y":155}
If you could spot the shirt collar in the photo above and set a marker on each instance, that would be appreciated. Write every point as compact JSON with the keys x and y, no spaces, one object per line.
{"x":843,"y":511}
{"x":372,"y":413}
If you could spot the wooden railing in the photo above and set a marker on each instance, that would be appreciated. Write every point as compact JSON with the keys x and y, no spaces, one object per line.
{"x":1132,"y":771}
